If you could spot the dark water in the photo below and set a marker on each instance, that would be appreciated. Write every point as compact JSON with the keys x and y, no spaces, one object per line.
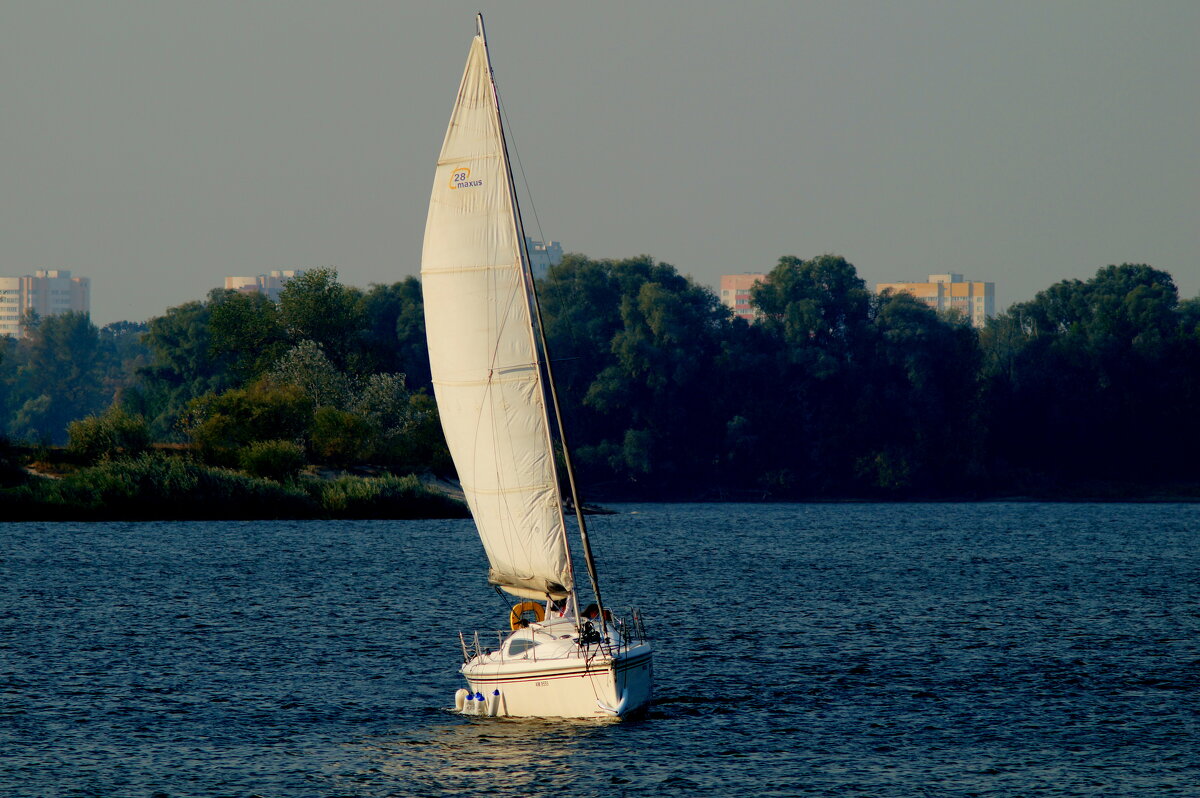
{"x":875,"y":650}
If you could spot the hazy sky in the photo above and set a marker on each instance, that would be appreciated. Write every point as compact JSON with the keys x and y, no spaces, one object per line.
{"x":156,"y":147}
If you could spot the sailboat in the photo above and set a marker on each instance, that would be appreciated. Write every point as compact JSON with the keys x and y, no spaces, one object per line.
{"x":495,"y":391}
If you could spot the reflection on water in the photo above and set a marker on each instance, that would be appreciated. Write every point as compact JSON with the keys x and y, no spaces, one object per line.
{"x":455,"y":754}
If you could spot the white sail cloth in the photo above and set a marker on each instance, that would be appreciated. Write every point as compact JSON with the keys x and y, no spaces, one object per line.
{"x":482,"y":351}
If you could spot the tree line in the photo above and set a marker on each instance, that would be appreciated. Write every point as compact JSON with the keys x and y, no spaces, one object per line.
{"x":1088,"y":388}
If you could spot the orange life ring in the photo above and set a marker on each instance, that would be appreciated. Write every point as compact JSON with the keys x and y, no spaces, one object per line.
{"x":514,"y":617}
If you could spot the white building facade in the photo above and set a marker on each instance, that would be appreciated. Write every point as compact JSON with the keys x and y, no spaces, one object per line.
{"x":46,"y":292}
{"x":270,"y":284}
{"x":543,"y":255}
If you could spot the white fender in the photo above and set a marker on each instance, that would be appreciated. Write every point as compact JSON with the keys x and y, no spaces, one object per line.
{"x":618,"y":709}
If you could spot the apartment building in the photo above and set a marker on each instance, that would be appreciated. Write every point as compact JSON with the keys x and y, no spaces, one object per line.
{"x":735,"y":293}
{"x":543,"y":255}
{"x":976,"y":300}
{"x":46,"y":292}
{"x":270,"y":283}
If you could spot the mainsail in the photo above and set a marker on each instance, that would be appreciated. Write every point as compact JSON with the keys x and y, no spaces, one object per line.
{"x":482,"y":350}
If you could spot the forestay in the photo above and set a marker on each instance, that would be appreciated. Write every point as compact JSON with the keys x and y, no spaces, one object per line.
{"x":482,"y":352}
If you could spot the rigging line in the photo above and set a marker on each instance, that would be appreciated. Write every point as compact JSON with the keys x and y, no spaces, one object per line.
{"x":572,"y":292}
{"x":537,"y":222}
{"x":567,"y":298}
{"x":512,"y":138}
{"x":502,"y":110}
{"x":503,"y":598}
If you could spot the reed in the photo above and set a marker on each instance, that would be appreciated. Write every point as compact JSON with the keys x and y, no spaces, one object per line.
{"x":277,"y":460}
{"x":157,"y":486}
{"x":383,"y":497}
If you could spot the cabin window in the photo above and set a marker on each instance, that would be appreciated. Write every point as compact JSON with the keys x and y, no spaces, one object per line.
{"x":520,"y":646}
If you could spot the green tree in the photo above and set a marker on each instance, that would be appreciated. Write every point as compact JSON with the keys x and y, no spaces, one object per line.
{"x":183,"y":367}
{"x":108,"y":435}
{"x":246,"y":329}
{"x":123,"y":353}
{"x":581,"y":312}
{"x":920,"y":400}
{"x":219,"y":425}
{"x":424,"y":445}
{"x":341,"y":437}
{"x":385,"y":401}
{"x":636,"y":340}
{"x":818,"y":308}
{"x":1093,"y":379}
{"x":356,"y":419}
{"x":306,"y":367}
{"x":314,"y":306}
{"x":393,"y":337}
{"x":277,"y":460}
{"x":814,"y":343}
{"x":60,"y":377}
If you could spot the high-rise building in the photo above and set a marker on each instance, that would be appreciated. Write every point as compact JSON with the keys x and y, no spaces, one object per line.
{"x":11,"y":306}
{"x":270,"y":284}
{"x":47,"y":292}
{"x":735,"y":293}
{"x":975,"y":300}
{"x":543,"y":255}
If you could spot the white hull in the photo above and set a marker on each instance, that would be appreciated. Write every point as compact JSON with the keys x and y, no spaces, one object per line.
{"x":608,"y":684}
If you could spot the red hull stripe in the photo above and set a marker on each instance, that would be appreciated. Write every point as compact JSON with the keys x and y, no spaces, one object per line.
{"x":542,"y":676}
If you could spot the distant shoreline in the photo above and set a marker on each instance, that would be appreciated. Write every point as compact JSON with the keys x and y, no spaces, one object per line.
{"x":159,"y":487}
{"x":164,"y":486}
{"x":1186,"y":494}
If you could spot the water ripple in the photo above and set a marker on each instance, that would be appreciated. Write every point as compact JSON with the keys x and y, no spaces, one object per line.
{"x":882,"y":650}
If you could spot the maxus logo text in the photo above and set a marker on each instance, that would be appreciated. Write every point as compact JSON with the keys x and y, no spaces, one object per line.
{"x":461,"y":178}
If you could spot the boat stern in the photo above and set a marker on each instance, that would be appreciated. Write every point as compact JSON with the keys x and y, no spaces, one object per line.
{"x":557,"y":678}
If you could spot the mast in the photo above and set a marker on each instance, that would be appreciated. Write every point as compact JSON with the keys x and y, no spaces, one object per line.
{"x":539,"y":332}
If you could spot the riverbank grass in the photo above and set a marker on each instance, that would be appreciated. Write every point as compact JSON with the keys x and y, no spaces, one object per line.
{"x":162,"y":487}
